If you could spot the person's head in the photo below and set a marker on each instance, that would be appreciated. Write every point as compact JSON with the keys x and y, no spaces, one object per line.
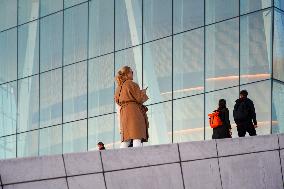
{"x":243,"y":94}
{"x":222,"y":103}
{"x":100,"y":145}
{"x":125,"y":73}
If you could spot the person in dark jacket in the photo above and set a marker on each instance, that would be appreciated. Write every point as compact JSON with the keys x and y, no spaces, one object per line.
{"x":223,"y":131}
{"x":101,"y":146}
{"x":244,"y":115}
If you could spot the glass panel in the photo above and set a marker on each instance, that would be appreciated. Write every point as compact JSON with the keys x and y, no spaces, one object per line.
{"x":28,"y":107}
{"x":8,"y":14}
{"x":28,"y":48}
{"x":28,"y":10}
{"x":51,"y":42}
{"x":277,"y":108}
{"x":133,"y":58}
{"x":212,"y":99}
{"x":253,"y":5}
{"x":8,"y":55}
{"x":50,"y":141}
{"x":101,"y":129}
{"x":158,"y":70}
{"x":278,"y":56}
{"x":188,"y":63}
{"x":101,"y":85}
{"x":189,"y":119}
{"x":128,"y":22}
{"x":69,"y":3}
{"x":222,"y":55}
{"x":101,"y":27}
{"x":218,"y":10}
{"x":157,"y":19}
{"x":260,"y":94}
{"x":255,"y":46}
{"x":75,"y":92}
{"x":188,"y":14}
{"x":75,"y":34}
{"x":279,"y":4}
{"x":28,"y":144}
{"x":51,"y":98}
{"x":50,"y":6}
{"x":8,"y":147}
{"x":75,"y":137}
{"x":8,"y":108}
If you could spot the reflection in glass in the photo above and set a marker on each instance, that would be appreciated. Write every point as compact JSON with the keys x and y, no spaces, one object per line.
{"x":128,"y":22}
{"x":157,"y":19}
{"x":279,"y":4}
{"x":218,"y":10}
{"x":101,"y":129}
{"x":8,"y":14}
{"x":28,"y":107}
{"x":188,"y":14}
{"x":75,"y":33}
{"x":101,"y":29}
{"x":188,"y":63}
{"x":278,"y":49}
{"x":27,"y":144}
{"x":8,"y":55}
{"x":157,"y":70}
{"x":277,"y":108}
{"x":28,"y":10}
{"x":101,"y":85}
{"x":50,"y":6}
{"x":75,"y":92}
{"x":8,"y":147}
{"x":51,"y":98}
{"x":222,"y":55}
{"x":50,"y":141}
{"x":69,"y":3}
{"x":253,"y":5}
{"x":51,"y":42}
{"x":75,"y":136}
{"x":189,"y":119}
{"x":255,"y":46}
{"x":8,"y":108}
{"x":28,"y":49}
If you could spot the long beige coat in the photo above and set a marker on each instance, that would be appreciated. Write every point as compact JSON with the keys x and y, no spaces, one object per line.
{"x":133,"y":122}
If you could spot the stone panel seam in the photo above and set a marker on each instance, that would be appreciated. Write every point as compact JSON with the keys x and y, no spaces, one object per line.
{"x":181,"y":167}
{"x":30,"y":181}
{"x":280,"y":162}
{"x":1,"y":182}
{"x":65,"y":171}
{"x":259,"y":151}
{"x":220,"y":175}
{"x":103,"y":169}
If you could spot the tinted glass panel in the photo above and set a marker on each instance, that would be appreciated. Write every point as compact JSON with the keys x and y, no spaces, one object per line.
{"x":278,"y":49}
{"x":27,"y":144}
{"x":277,"y":108}
{"x":8,"y":147}
{"x":279,"y":4}
{"x":50,"y":141}
{"x":8,"y":14}
{"x":28,"y":10}
{"x":50,"y":6}
{"x":69,"y":3}
{"x":253,"y":5}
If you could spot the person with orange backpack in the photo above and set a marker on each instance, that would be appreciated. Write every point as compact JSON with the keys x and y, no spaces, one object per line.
{"x":220,"y":122}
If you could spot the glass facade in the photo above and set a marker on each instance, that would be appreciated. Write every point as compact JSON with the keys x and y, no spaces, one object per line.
{"x":58,"y":60}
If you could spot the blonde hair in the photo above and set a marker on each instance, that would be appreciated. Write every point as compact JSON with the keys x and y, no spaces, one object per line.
{"x":122,"y":75}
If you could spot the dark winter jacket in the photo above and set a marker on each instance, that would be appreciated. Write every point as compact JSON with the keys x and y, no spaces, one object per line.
{"x":251,"y":111}
{"x":223,"y":131}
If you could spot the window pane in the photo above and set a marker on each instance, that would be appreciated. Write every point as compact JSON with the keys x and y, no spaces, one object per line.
{"x":8,"y":108}
{"x":218,"y":10}
{"x":50,"y":6}
{"x":277,"y":108}
{"x":222,"y":55}
{"x":8,"y":55}
{"x":101,"y":27}
{"x":8,"y":14}
{"x":255,"y":46}
{"x":189,"y":119}
{"x":75,"y":33}
{"x":51,"y":42}
{"x":188,"y":14}
{"x":28,"y":48}
{"x":69,"y":3}
{"x":279,"y":4}
{"x":278,"y":56}
{"x":253,"y":5}
{"x":50,"y":141}
{"x":157,"y":19}
{"x":101,"y":129}
{"x":28,"y":144}
{"x":189,"y":63}
{"x":28,"y":108}
{"x":260,"y":94}
{"x":75,"y":137}
{"x":133,"y":58}
{"x":8,"y":147}
{"x":128,"y":22}
{"x":158,"y":70}
{"x":101,"y":85}
{"x":51,"y":98}
{"x":75,"y":92}
{"x":28,"y":10}
{"x":212,"y":99}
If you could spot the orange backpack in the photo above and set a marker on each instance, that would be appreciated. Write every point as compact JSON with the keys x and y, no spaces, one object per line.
{"x":214,"y":119}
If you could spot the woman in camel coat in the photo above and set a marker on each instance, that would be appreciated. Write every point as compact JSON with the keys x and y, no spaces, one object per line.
{"x":133,"y":118}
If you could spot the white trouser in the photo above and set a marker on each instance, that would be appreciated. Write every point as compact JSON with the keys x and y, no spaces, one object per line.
{"x":136,"y":143}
